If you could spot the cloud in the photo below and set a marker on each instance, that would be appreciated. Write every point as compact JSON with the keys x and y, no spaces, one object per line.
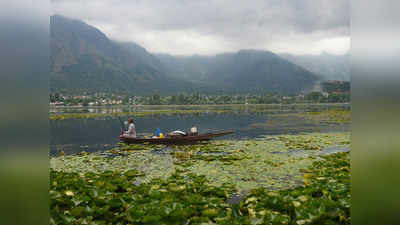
{"x":214,"y":26}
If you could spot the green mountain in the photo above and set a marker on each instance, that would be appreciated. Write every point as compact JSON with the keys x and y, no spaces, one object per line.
{"x":246,"y":71}
{"x":83,"y":59}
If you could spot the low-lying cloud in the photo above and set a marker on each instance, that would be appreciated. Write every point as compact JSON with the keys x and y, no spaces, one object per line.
{"x":186,"y":27}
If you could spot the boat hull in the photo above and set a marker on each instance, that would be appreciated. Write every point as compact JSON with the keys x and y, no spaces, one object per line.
{"x":175,"y":140}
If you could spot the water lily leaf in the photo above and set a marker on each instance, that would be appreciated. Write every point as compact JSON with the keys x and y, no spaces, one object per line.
{"x":77,"y":211}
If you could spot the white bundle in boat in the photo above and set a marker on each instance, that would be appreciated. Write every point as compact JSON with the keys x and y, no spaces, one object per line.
{"x":193,"y":130}
{"x":176,"y":133}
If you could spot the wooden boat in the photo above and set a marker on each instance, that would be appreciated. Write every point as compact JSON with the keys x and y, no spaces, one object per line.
{"x":187,"y":139}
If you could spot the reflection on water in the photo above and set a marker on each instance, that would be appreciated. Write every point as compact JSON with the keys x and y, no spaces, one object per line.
{"x":75,"y":135}
{"x":232,"y":108}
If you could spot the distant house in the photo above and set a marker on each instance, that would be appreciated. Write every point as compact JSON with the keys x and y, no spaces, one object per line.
{"x":59,"y":103}
{"x":299,"y":97}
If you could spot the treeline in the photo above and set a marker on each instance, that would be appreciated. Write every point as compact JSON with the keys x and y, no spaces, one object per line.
{"x":198,"y":99}
{"x":323,"y":97}
{"x":313,"y":97}
{"x":336,"y":86}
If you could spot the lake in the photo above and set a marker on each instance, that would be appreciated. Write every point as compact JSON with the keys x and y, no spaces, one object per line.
{"x":248,"y":121}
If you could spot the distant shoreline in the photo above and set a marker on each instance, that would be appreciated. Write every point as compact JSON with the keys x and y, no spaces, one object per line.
{"x":200,"y":105}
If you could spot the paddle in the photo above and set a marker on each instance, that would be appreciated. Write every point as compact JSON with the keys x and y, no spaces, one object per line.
{"x":122,"y":125}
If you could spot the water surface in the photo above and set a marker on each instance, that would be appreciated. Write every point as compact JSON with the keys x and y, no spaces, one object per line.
{"x":76,"y":135}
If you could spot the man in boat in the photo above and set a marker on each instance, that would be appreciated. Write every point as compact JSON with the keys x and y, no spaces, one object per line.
{"x":131,"y":129}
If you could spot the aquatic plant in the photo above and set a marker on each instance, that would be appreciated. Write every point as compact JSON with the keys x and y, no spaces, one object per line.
{"x":186,"y":198}
{"x":315,"y":141}
{"x":331,"y":116}
{"x":123,"y":114}
{"x":324,"y":198}
{"x":336,"y":112}
{"x":144,"y":184}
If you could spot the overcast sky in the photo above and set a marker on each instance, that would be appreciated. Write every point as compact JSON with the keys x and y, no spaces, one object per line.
{"x":207,"y":27}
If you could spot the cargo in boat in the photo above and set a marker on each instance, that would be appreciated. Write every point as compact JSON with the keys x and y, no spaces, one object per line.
{"x":172,"y":139}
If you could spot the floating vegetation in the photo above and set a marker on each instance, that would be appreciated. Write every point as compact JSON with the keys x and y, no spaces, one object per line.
{"x":192,"y":184}
{"x":135,"y":114}
{"x":331,"y":116}
{"x":112,"y":198}
{"x":287,"y":123}
{"x":247,"y":163}
{"x":313,"y":121}
{"x":333,"y":111}
{"x":315,"y":141}
{"x":324,"y":198}
{"x":152,"y":165}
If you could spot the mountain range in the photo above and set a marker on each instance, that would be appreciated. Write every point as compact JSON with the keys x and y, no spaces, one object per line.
{"x":245,"y":71}
{"x":83,"y":59}
{"x":325,"y":65}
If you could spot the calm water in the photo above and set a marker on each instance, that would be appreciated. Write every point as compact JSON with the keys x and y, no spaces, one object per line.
{"x":75,"y":135}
